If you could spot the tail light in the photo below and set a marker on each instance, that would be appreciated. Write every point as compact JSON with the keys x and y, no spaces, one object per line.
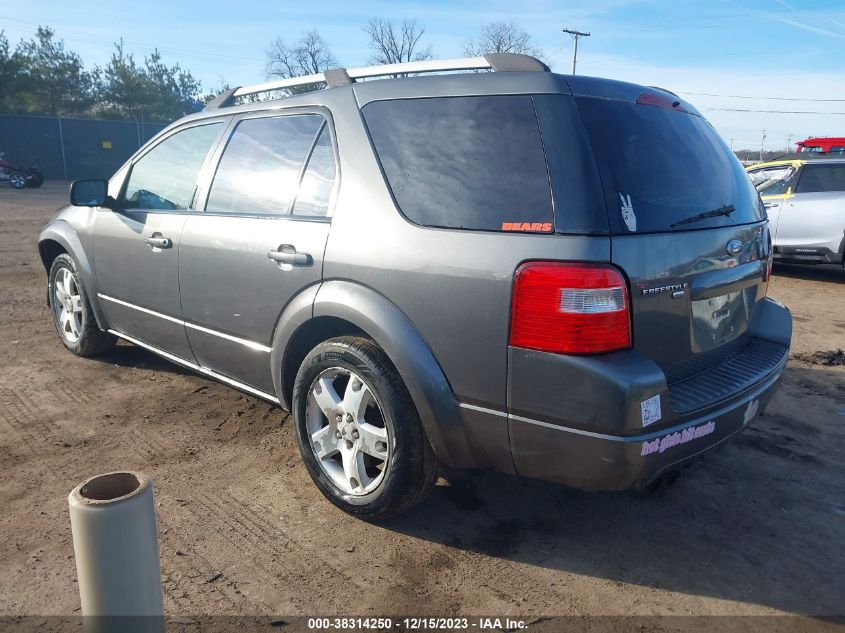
{"x":570,"y":308}
{"x":770,"y":260}
{"x":769,"y":263}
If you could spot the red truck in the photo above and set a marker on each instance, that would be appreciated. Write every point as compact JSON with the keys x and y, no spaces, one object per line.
{"x":823,"y":145}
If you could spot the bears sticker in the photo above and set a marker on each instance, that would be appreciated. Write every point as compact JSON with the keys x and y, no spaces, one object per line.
{"x":535,"y":227}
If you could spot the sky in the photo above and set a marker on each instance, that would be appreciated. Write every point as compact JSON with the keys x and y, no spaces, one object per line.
{"x":748,"y":65}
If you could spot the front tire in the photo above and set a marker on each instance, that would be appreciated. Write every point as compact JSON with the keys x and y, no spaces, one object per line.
{"x":72,"y":315}
{"x":358,"y":431}
{"x":17,"y":180}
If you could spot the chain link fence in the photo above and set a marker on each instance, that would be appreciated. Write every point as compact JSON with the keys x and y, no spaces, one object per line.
{"x":65,"y":148}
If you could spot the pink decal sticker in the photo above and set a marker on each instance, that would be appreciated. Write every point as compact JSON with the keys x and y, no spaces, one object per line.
{"x":660,"y":444}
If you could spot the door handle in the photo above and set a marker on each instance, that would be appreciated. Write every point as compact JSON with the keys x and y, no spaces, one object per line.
{"x":157,"y":241}
{"x":287,"y":254}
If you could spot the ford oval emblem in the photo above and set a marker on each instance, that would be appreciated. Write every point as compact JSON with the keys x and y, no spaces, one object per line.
{"x":734,"y":247}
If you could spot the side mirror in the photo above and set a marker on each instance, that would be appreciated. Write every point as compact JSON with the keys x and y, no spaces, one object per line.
{"x":90,"y":193}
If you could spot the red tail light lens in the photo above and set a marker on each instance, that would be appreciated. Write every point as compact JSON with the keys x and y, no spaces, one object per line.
{"x":769,"y":264}
{"x":770,"y":260}
{"x":570,"y":308}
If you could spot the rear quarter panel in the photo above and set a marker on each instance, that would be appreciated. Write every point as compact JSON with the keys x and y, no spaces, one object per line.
{"x":453,"y":285}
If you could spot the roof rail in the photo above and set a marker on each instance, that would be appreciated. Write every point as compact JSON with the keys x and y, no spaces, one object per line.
{"x":499,"y":62}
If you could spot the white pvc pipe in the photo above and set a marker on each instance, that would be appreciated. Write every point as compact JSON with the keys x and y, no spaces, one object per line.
{"x":116,"y":546}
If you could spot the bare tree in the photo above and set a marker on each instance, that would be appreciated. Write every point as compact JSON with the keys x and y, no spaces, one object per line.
{"x":394,"y":44}
{"x":308,"y":56}
{"x":502,"y":37}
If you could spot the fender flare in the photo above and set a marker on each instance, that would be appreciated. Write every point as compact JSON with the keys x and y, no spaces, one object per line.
{"x":296,"y":314}
{"x":61,"y":232}
{"x":371,"y":312}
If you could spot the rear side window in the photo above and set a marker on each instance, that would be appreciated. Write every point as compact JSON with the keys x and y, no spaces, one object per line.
{"x":464,"y":162}
{"x":821,"y":178}
{"x":259,"y":171}
{"x":317,"y":186}
{"x":164,"y":178}
{"x":660,"y":166}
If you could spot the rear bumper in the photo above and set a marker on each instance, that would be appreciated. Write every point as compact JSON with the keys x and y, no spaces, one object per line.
{"x":580,"y":420}
{"x":596,"y":461}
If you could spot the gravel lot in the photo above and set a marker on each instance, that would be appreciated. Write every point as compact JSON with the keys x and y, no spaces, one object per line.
{"x":756,"y":528}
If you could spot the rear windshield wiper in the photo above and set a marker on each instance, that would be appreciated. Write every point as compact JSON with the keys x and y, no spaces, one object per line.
{"x":725,"y":210}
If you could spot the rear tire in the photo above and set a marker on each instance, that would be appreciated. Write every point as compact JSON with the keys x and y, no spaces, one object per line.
{"x":358,"y":431}
{"x":72,"y":315}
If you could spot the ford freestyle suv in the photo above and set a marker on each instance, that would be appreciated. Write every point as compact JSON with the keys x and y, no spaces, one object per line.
{"x":805,"y":202}
{"x":557,"y":277}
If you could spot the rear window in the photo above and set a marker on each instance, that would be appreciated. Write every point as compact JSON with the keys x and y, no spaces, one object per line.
{"x":821,"y":178}
{"x":660,"y":166}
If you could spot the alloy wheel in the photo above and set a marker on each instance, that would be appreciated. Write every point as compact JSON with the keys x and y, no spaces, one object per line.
{"x":67,"y":305}
{"x":347,"y":431}
{"x":18,"y":181}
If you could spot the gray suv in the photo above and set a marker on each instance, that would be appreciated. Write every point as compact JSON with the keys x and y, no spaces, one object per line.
{"x":552,"y":276}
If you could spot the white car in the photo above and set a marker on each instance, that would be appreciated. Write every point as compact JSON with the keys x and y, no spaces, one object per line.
{"x":805,"y":201}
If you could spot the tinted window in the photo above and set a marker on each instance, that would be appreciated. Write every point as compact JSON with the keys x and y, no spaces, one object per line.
{"x":576,"y":188}
{"x":464,"y":162}
{"x":661,"y":166}
{"x":259,"y":171}
{"x":315,"y":190}
{"x":164,"y":178}
{"x":819,"y":178}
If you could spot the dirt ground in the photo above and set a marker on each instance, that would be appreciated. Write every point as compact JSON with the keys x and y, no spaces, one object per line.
{"x":756,"y":528}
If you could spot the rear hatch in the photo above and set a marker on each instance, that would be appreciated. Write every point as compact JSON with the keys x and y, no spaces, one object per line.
{"x":687,"y":228}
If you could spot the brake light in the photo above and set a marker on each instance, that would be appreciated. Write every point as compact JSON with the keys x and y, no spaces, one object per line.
{"x":660,"y":100}
{"x":570,"y":308}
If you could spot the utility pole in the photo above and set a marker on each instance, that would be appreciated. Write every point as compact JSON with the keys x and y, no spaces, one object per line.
{"x":762,"y":144}
{"x":789,"y":142}
{"x":732,"y":144}
{"x":575,"y":36}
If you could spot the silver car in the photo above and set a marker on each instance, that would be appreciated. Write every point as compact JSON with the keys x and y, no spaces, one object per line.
{"x":805,"y":201}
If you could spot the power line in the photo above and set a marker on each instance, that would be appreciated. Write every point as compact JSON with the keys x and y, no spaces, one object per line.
{"x":773,"y":111}
{"x":710,"y":94}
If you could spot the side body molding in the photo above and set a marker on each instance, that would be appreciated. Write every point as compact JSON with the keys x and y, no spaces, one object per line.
{"x":63,"y":233}
{"x":387,"y":325}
